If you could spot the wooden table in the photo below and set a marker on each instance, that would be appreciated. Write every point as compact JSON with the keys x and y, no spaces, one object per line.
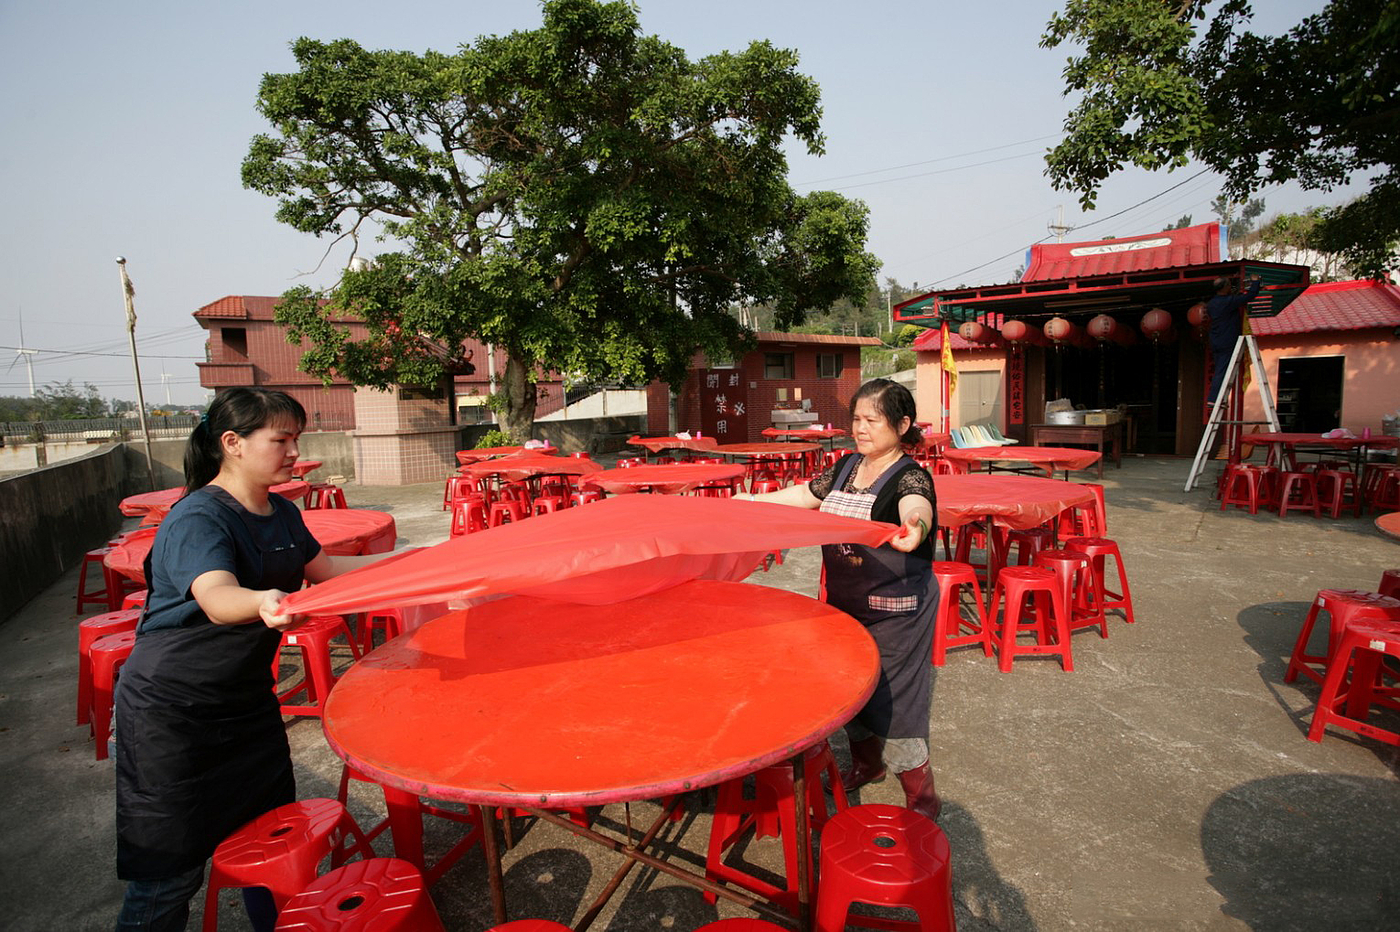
{"x":1099,"y":436}
{"x":533,"y":703}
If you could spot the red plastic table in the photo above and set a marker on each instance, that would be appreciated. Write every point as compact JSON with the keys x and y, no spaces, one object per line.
{"x":534,"y":703}
{"x":657,"y":444}
{"x":1047,"y":458}
{"x":1354,"y":447}
{"x":340,"y":531}
{"x":301,"y":467}
{"x":485,"y":453}
{"x":665,"y":479}
{"x":528,"y":465}
{"x":1389,"y":524}
{"x":1013,"y":502}
{"x":144,"y":504}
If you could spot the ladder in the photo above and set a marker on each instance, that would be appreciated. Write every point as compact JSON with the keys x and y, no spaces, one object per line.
{"x":1231,"y":389}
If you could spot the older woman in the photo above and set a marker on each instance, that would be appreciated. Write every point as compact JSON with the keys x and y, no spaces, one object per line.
{"x":890,"y":589}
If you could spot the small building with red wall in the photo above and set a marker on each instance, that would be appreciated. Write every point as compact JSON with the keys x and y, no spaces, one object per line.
{"x":247,"y":347}
{"x":808,"y":377}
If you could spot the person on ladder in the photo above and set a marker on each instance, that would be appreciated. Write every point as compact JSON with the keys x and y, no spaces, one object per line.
{"x":1224,"y":311}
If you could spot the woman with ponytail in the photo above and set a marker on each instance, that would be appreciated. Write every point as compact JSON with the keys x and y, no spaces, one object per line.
{"x":889,"y":589}
{"x":201,"y":748}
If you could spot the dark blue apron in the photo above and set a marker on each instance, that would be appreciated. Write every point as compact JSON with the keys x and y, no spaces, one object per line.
{"x":201,"y":747}
{"x":895,"y":595}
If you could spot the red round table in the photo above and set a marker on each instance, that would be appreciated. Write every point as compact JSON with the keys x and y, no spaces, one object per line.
{"x":1047,"y":458}
{"x":485,"y":453}
{"x":1015,"y":502}
{"x":301,"y":467}
{"x":527,"y":465}
{"x":1389,"y":524}
{"x":753,"y":450}
{"x":657,"y":444}
{"x":666,"y":479}
{"x":144,"y":504}
{"x":340,"y":531}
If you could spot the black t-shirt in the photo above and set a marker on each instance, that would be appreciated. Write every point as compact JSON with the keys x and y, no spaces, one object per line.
{"x":911,"y":479}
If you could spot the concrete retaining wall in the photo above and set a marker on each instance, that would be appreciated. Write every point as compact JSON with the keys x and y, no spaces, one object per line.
{"x":53,"y":516}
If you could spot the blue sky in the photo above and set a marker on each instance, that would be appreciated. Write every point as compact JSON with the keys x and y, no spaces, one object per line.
{"x":125,"y":125}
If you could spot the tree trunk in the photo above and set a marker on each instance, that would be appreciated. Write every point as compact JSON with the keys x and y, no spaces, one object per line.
{"x":517,"y":415}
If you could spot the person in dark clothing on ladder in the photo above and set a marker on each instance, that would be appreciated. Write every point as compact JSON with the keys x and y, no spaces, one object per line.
{"x":1224,"y":311}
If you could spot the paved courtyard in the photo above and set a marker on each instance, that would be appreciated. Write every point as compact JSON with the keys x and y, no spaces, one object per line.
{"x":1166,"y":783}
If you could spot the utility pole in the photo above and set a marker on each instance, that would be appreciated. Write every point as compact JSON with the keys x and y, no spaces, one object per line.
{"x":1058,"y":227}
{"x":128,"y":292}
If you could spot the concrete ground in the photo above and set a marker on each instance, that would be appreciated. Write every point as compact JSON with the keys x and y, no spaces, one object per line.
{"x":1166,"y":783}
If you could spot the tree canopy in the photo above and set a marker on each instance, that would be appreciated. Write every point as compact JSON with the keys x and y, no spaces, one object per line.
{"x":1163,"y":81}
{"x":581,"y":195}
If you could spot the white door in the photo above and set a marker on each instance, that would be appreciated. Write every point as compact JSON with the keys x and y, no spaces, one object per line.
{"x":979,"y":398}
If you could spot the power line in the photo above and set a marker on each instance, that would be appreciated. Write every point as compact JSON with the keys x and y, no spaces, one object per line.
{"x":939,"y":171}
{"x":59,"y":354}
{"x":943,"y":158}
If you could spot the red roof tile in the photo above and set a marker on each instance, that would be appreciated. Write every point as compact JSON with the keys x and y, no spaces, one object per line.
{"x":1335,"y":306}
{"x":772,"y":336}
{"x":1169,"y":249}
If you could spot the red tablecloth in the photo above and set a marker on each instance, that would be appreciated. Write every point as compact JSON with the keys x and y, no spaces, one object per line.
{"x":340,"y":531}
{"x":144,"y":504}
{"x":657,"y":444}
{"x":1016,"y":502}
{"x":526,"y":465}
{"x":765,"y":449}
{"x":485,"y":453}
{"x":670,"y":480}
{"x":1315,"y":440}
{"x":1047,"y":458}
{"x":1389,"y":524}
{"x":805,"y":433}
{"x":529,"y":702}
{"x":292,"y":491}
{"x":301,"y":467}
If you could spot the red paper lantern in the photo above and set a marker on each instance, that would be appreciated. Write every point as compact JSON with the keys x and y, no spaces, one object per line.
{"x":1157,"y":323}
{"x":973,"y":332}
{"x":1061,"y":330}
{"x":1104,"y":328}
{"x":1018,"y":331}
{"x":1196,"y":316}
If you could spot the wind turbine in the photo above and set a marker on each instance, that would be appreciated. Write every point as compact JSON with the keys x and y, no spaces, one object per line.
{"x":28,"y":355}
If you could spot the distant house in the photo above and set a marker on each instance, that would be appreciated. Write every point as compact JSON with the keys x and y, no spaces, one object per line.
{"x":790,"y":378}
{"x":247,"y":347}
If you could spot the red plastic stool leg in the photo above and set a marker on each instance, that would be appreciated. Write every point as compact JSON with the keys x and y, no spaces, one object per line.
{"x":313,"y":637}
{"x":89,"y":630}
{"x":106,"y":657}
{"x":1099,"y":549}
{"x":281,"y":850}
{"x":1015,"y":585}
{"x":1345,"y":701}
{"x":88,"y":596}
{"x":383,"y":894}
{"x":949,"y":623}
{"x":885,"y":856}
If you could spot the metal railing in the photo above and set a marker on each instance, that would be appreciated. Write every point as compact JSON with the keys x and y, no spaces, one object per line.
{"x":98,"y":429}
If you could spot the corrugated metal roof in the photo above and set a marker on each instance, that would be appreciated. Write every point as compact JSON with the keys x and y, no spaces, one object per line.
{"x":1335,"y":306}
{"x":1169,"y":249}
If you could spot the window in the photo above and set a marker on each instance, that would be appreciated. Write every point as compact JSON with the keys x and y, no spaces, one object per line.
{"x":236,"y":341}
{"x":829,"y":365}
{"x":777,"y":366}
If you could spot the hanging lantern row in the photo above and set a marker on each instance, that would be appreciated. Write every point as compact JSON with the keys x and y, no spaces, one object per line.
{"x":1018,"y":331}
{"x":1156,"y":325}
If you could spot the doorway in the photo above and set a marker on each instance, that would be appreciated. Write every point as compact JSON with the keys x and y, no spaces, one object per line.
{"x":1310,"y":393}
{"x":979,"y":398}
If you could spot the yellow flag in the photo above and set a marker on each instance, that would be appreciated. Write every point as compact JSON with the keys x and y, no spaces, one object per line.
{"x":949,"y":366}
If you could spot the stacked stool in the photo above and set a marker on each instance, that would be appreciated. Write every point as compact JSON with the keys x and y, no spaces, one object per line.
{"x":89,"y":630}
{"x":105,"y":659}
{"x":885,"y":856}
{"x":382,"y":894}
{"x":313,"y":638}
{"x":1050,"y":625}
{"x":1344,"y":607}
{"x":1347,"y":699}
{"x":1079,"y":588}
{"x":1098,"y":550}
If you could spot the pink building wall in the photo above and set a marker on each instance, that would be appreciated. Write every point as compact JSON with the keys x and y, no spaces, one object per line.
{"x":1371,"y":371}
{"x":928,"y":371}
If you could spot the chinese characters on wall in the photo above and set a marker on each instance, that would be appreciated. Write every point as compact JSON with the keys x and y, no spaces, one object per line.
{"x":1016,"y":386}
{"x":724,"y":405}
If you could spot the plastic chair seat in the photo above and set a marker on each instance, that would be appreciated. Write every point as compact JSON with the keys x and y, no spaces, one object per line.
{"x":89,"y":630}
{"x":281,"y":850}
{"x":1015,"y":586}
{"x":1099,"y":549}
{"x":1079,"y":588}
{"x":375,"y":895}
{"x":885,"y":856}
{"x":88,"y":596}
{"x":106,"y":656}
{"x":950,"y":627}
{"x":1298,"y":491}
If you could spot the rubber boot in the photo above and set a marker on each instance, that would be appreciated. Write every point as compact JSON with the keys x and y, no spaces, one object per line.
{"x":867,"y":766}
{"x":919,"y":794}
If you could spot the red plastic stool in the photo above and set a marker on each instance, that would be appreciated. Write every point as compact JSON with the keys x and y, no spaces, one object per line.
{"x":771,"y":812}
{"x":387,"y":621}
{"x":1079,"y":588}
{"x":135,"y":599}
{"x":629,"y":462}
{"x":1245,"y":487}
{"x":457,"y":487}
{"x":741,"y":924}
{"x":377,"y":895}
{"x":1016,"y":584}
{"x":529,"y":925}
{"x":1298,"y":491}
{"x":1343,"y":607}
{"x":89,"y":630}
{"x":885,"y":856}
{"x":1028,"y":543}
{"x":1381,"y":487}
{"x":770,"y":484}
{"x":1337,"y":489}
{"x":505,"y":511}
{"x":281,"y":850}
{"x":324,"y":495}
{"x":548,"y":504}
{"x":105,"y":659}
{"x":468,"y":516}
{"x":949,"y":623}
{"x":313,"y":637}
{"x":1086,"y":520}
{"x":1098,"y":550}
{"x":1345,"y":701}
{"x":93,"y":596}
{"x":1390,"y":584}
{"x":585,"y":497}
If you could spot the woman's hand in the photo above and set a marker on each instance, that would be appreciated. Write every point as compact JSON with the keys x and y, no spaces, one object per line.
{"x":911,"y":533}
{"x":268,"y":610}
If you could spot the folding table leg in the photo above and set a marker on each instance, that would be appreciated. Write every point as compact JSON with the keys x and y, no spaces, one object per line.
{"x":487,"y":815}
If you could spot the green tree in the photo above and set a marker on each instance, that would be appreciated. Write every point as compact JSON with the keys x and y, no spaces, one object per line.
{"x":1181,"y":224}
{"x":1238,"y":218}
{"x":1316,"y":105}
{"x":581,"y":195}
{"x":63,"y":401}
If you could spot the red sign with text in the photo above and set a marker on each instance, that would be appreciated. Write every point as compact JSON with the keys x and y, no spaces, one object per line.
{"x":724,"y":408}
{"x":1016,"y":387}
